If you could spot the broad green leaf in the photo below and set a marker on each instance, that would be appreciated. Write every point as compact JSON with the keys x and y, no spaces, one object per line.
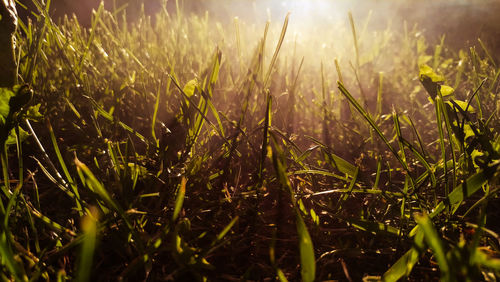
{"x":23,"y":135}
{"x":474,"y":155}
{"x":468,"y":131}
{"x":446,"y":90}
{"x":462,"y":105}
{"x":5,"y":95}
{"x":343,"y":165}
{"x":430,"y":80}
{"x":190,"y":87}
{"x":33,"y":113}
{"x":427,"y":71}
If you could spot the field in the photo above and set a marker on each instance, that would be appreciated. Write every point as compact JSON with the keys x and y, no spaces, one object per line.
{"x":176,"y":146}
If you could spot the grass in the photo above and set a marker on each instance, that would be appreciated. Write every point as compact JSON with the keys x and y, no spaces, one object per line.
{"x":178,"y":148}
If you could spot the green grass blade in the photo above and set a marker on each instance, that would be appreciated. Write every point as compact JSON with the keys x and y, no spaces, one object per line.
{"x":179,"y":200}
{"x":379,"y":172}
{"x":276,"y":52}
{"x":281,"y":275}
{"x":265,"y":139}
{"x":439,"y":111}
{"x":450,"y":137}
{"x":339,"y":163}
{"x":157,"y":106}
{"x":317,"y":172}
{"x":404,"y":265}
{"x":373,"y":227}
{"x":307,"y":260}
{"x":372,"y":123}
{"x":463,"y":191}
{"x":348,"y":192}
{"x":72,"y":184}
{"x":487,"y":52}
{"x":378,"y":108}
{"x":98,"y":188}
{"x":7,"y":258}
{"x":89,"y":241}
{"x":432,"y":238}
{"x":110,"y":117}
{"x":423,"y":161}
{"x":95,"y":20}
{"x":227,"y":228}
{"x":355,"y":38}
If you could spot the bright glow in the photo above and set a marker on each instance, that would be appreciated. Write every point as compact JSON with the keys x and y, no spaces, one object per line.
{"x":310,"y":9}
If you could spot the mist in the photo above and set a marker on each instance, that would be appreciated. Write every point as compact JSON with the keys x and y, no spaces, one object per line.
{"x":463,"y":21}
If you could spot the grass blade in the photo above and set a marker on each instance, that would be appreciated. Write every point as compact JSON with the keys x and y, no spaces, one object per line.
{"x":227,"y":228}
{"x":404,"y":265}
{"x":307,"y":260}
{"x":179,"y":200}
{"x":72,"y":184}
{"x":463,"y":191}
{"x":372,"y":123}
{"x":276,"y":52}
{"x":89,"y":228}
{"x":432,"y":238}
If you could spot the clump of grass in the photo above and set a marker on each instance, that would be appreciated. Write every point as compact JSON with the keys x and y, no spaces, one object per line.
{"x":169,"y":151}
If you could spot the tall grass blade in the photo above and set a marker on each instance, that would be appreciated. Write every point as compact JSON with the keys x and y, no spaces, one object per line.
{"x":95,"y":20}
{"x":307,"y":260}
{"x":355,"y":39}
{"x":370,"y":121}
{"x":306,"y":248}
{"x":276,"y":52}
{"x":432,"y":239}
{"x":88,"y":246}
{"x":97,"y":187}
{"x":265,"y":139}
{"x":72,"y":184}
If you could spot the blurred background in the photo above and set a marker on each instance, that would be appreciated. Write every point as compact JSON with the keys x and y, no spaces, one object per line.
{"x":463,"y":21}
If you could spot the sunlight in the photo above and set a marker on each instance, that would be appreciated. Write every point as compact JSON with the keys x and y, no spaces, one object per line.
{"x":307,"y":10}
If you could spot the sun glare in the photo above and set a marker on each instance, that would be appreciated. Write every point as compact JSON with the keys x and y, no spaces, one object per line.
{"x":308,"y":10}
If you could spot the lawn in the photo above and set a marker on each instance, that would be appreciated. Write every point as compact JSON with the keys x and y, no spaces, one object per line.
{"x":197,"y":146}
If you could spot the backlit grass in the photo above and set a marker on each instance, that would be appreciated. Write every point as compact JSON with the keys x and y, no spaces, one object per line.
{"x":179,"y":148}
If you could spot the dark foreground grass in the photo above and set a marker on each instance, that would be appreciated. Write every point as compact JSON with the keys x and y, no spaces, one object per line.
{"x":175,"y":148}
